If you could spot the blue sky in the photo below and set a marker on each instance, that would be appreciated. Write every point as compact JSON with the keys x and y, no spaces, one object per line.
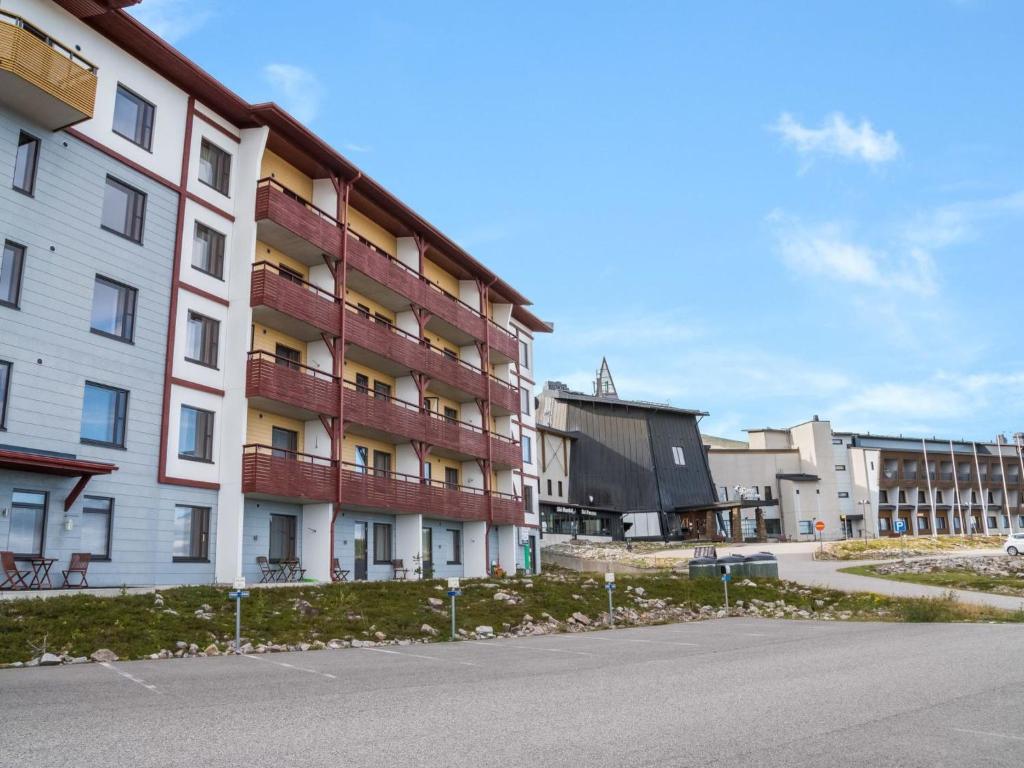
{"x":763,"y":210}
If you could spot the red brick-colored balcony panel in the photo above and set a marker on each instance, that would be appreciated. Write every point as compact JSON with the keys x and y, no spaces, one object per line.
{"x":303,"y":391}
{"x":504,"y":397}
{"x":294,"y":306}
{"x":506,"y":453}
{"x":504,"y":342}
{"x":404,"y":494}
{"x":507,"y":509}
{"x":294,"y":225}
{"x":273,"y":473}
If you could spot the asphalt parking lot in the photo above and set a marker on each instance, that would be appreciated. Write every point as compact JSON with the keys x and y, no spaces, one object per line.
{"x":731,"y":692}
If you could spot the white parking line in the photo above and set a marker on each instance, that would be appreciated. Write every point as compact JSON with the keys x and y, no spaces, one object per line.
{"x":286,"y":665}
{"x":128,"y":676}
{"x":990,"y":733}
{"x":492,"y":644}
{"x":422,"y":656}
{"x":637,"y":640}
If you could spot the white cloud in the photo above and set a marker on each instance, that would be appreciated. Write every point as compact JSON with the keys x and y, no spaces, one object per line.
{"x":298,"y":90}
{"x":172,"y":19}
{"x":360,"y":148}
{"x":838,"y":137}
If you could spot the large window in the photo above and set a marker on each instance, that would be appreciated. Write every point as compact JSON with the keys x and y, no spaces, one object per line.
{"x":191,"y":534}
{"x":208,"y":251}
{"x":25,"y":164}
{"x":678,"y":456}
{"x":133,"y":117}
{"x":282,"y":538}
{"x":524,"y":354}
{"x":104,"y":415}
{"x":524,"y":401}
{"x":456,"y":543}
{"x":195,"y":434}
{"x":362,"y":458}
{"x":285,"y":442}
{"x":806,"y":527}
{"x":28,"y":523}
{"x":5,"y":388}
{"x":527,"y":450}
{"x":528,"y":498}
{"x":451,"y":477}
{"x":201,"y":346}
{"x":124,"y":210}
{"x":97,"y":516}
{"x":381,"y":543}
{"x":10,"y":274}
{"x":113,"y":309}
{"x":214,"y":167}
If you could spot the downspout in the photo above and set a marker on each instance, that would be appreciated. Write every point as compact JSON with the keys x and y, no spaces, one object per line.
{"x":485,"y":364}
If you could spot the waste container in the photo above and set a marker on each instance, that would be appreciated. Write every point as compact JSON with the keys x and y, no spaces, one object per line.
{"x":703,"y":568}
{"x":762,"y":565}
{"x":738,"y":566}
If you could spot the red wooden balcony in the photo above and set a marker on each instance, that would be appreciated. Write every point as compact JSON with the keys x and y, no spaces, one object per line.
{"x":507,"y":509}
{"x":504,"y":397}
{"x":294,"y":225}
{"x":283,"y":386}
{"x":505,"y":452}
{"x":292,"y":305}
{"x":504,"y":342}
{"x":278,"y":474}
{"x":398,"y":493}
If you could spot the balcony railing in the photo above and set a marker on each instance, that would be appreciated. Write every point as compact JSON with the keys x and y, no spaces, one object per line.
{"x":294,"y":225}
{"x":278,"y":473}
{"x":304,"y":390}
{"x":42,"y":77}
{"x":295,"y":299}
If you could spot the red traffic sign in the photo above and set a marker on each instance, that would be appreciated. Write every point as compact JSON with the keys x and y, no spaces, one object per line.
{"x":819,"y":526}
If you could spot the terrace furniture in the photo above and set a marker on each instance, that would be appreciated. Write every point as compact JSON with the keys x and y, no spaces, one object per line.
{"x":267,"y":572}
{"x":79,"y":566}
{"x":13,"y":577}
{"x":292,"y":570}
{"x":400,"y":571}
{"x":40,"y":571}
{"x":337,"y":574}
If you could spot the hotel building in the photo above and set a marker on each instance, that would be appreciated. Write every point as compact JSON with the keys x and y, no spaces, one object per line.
{"x":220,"y":340}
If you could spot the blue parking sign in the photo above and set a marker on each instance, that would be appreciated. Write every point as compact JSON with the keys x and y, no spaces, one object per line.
{"x":900,"y":526}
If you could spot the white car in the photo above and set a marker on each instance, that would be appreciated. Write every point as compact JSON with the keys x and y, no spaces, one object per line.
{"x":1014,"y":544}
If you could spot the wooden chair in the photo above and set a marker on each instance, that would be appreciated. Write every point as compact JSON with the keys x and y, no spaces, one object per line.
{"x":13,"y":577}
{"x":401,"y":572}
{"x":295,"y":571}
{"x":79,"y":566}
{"x":267,"y":573}
{"x":337,"y":574}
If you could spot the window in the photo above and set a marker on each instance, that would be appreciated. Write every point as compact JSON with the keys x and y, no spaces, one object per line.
{"x":288,"y":357}
{"x":773,"y":527}
{"x":382,"y":543}
{"x":524,"y":354}
{"x":208,"y":251}
{"x":883,"y":497}
{"x":922,"y":523}
{"x":903,"y":497}
{"x":840,"y":467}
{"x":5,"y":388}
{"x":991,"y":521}
{"x":363,"y":310}
{"x":806,"y":527}
{"x":104,"y":413}
{"x":549,"y":486}
{"x":956,"y":523}
{"x":1005,"y":521}
{"x":362,"y":383}
{"x":837,"y":441}
{"x":450,"y":414}
{"x":201,"y":345}
{"x":191,"y":534}
{"x":362,"y":458}
{"x":844,"y":494}
{"x":559,"y":487}
{"x":381,"y":390}
{"x":28,"y":522}
{"x":133,"y":118}
{"x":124,"y":210}
{"x":10,"y":274}
{"x":451,"y":354}
{"x":214,"y":167}
{"x":883,"y":524}
{"x":282,"y":538}
{"x":456,"y":541}
{"x":920,"y":498}
{"x":524,"y":401}
{"x":113,"y":309}
{"x":527,"y":450}
{"x":381,"y":463}
{"x":528,"y":498}
{"x":1020,"y":518}
{"x":285,"y":442}
{"x":381,"y":318}
{"x":451,"y":477}
{"x":768,"y":493}
{"x":678,"y":456}
{"x":427,"y":471}
{"x":97,"y":515}
{"x":290,"y":274}
{"x":25,"y":163}
{"x":195,"y":434}
{"x":940,"y":523}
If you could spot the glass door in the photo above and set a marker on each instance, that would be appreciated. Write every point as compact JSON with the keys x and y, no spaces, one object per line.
{"x":428,"y":556}
{"x":359,"y":541}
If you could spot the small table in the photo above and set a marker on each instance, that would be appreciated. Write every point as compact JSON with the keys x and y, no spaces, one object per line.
{"x":289,"y":570}
{"x":40,"y":571}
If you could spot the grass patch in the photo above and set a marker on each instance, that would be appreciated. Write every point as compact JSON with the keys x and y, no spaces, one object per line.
{"x":134,"y":627}
{"x":910,"y":546}
{"x":949,"y":579}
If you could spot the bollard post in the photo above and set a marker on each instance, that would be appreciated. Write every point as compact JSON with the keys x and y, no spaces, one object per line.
{"x":453,"y":592}
{"x":609,"y":585}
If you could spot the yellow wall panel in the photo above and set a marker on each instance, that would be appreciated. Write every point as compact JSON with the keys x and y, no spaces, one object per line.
{"x":354,"y":297}
{"x":443,"y":343}
{"x":265,"y":252}
{"x":376,"y":234}
{"x":261,"y":425}
{"x":286,"y":174}
{"x":266,"y":339}
{"x":439,"y":277}
{"x":348,"y":452}
{"x":351,"y":369}
{"x":442,"y":402}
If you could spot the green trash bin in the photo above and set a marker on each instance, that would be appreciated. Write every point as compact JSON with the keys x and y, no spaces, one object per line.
{"x":762,"y":565}
{"x":703,"y":568}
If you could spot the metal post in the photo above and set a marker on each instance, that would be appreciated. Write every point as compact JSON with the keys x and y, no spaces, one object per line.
{"x":611,"y":615}
{"x":238,"y":624}
{"x":453,"y":615}
{"x":725,"y":585}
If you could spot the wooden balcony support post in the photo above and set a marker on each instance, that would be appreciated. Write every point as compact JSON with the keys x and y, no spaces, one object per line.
{"x":421,"y":247}
{"x":422,"y":451}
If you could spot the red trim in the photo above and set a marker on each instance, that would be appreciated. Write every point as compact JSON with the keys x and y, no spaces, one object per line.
{"x":168,"y":480}
{"x":196,"y":386}
{"x":121,"y":158}
{"x":206,"y":204}
{"x":172,"y":311}
{"x":56,"y":465}
{"x":205,"y":294}
{"x":214,"y":124}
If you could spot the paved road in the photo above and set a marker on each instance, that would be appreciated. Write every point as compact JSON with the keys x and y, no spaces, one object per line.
{"x":732,"y":692}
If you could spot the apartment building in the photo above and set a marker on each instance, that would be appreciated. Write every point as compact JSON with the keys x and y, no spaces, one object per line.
{"x":864,"y":485}
{"x":221,"y":341}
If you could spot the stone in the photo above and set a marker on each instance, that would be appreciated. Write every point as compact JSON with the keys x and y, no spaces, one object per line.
{"x":581,"y":618}
{"x":211,"y":650}
{"x":49,"y":660}
{"x":527,"y":619}
{"x":379,"y":637}
{"x":181,"y":645}
{"x":193,"y":648}
{"x":78,"y":660}
{"x":246,"y":648}
{"x":205,"y":608}
{"x":640,"y":591}
{"x":318,"y":645}
{"x":170,"y":611}
{"x":103,"y":655}
{"x":435,"y":602}
{"x":159,"y":602}
{"x":335,"y":643}
{"x":304,"y":607}
{"x":502,"y":596}
{"x":484,"y":631}
{"x":304,"y":646}
{"x":577,"y":597}
{"x":426,"y":629}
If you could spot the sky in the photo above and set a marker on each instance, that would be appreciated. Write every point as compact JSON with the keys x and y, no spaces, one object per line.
{"x":767,"y":211}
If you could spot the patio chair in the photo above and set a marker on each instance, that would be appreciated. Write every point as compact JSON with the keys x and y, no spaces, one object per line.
{"x":401,"y":572}
{"x":13,"y":577}
{"x":79,"y":566}
{"x":267,"y":573}
{"x":337,"y":574}
{"x":295,"y":571}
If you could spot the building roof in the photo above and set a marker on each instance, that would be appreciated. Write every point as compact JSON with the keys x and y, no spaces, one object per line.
{"x":618,"y":402}
{"x":556,"y":431}
{"x":798,"y":477}
{"x":722,"y":443}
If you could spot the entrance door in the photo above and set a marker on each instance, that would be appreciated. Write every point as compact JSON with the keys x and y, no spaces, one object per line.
{"x":428,"y":553}
{"x":532,"y":565}
{"x":359,"y":542}
{"x":282,"y":538}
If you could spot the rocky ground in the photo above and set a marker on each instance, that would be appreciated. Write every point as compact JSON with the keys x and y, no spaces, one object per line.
{"x":999,"y":574}
{"x":639,"y":554}
{"x":908,"y":546}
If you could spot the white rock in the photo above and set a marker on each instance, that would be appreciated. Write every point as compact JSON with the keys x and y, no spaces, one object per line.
{"x":49,"y":660}
{"x":103,"y":654}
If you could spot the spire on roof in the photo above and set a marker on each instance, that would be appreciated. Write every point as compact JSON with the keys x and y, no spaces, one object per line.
{"x":604,"y":386}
